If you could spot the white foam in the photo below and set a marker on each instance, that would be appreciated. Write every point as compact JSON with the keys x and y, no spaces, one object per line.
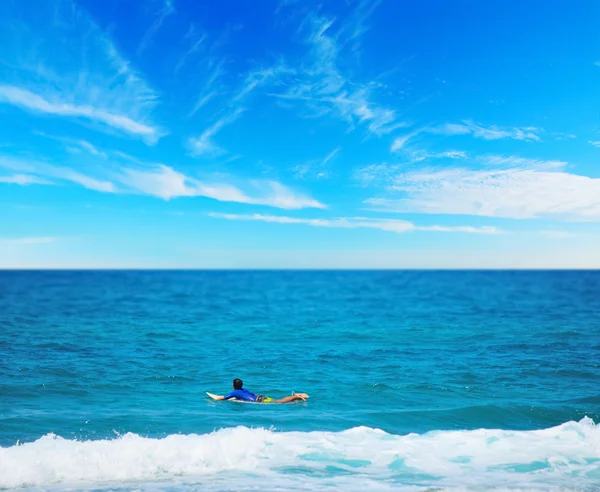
{"x":566,"y":456}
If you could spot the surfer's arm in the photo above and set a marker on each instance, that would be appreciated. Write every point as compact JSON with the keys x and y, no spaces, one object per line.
{"x":219,"y":398}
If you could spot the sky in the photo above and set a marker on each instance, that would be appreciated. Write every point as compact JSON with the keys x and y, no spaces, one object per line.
{"x":299,"y":134}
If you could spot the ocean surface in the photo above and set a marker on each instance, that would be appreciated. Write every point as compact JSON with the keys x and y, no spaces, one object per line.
{"x":418,"y":381}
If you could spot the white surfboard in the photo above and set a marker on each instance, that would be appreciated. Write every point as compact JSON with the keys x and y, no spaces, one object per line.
{"x":216,"y":397}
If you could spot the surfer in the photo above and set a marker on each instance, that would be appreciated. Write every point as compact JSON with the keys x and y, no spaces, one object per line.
{"x":241,"y":393}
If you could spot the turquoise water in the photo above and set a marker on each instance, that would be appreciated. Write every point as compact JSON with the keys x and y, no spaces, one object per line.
{"x":454,"y":380}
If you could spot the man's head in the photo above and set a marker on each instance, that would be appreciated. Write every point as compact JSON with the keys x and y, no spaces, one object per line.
{"x":237,"y":384}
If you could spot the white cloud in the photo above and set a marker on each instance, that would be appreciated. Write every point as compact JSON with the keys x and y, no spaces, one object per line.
{"x":167,"y":10}
{"x":390,"y":225}
{"x":415,"y":156}
{"x":385,"y":172}
{"x":324,"y":89}
{"x":203,"y":144}
{"x":331,"y":155}
{"x":163,"y":182}
{"x":196,"y":43}
{"x":23,"y":179}
{"x":166,"y":183}
{"x":487,"y":133}
{"x":375,"y":173}
{"x":28,"y":100}
{"x":595,"y":143}
{"x":75,"y":145}
{"x":450,"y":129}
{"x":510,"y":193}
{"x":522,"y":162}
{"x":400,"y":142}
{"x":58,"y":62}
{"x":451,"y":154}
{"x":316,"y":168}
{"x":258,"y":78}
{"x":42,"y":169}
{"x":277,"y":195}
{"x":208,"y":92}
{"x":91,"y":149}
{"x":357,"y":26}
{"x":564,"y":136}
{"x":388,"y":173}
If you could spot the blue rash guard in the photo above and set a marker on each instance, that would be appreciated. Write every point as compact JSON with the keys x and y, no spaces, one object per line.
{"x":241,"y":394}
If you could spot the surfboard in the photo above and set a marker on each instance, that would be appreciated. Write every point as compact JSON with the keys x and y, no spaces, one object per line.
{"x":216,"y":397}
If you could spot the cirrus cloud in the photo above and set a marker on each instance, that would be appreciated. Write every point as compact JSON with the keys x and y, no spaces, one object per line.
{"x":58,"y":62}
{"x":493,"y":132}
{"x":390,"y":225}
{"x":158,"y":180}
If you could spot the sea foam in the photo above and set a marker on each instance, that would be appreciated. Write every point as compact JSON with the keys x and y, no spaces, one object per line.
{"x":566,"y":456}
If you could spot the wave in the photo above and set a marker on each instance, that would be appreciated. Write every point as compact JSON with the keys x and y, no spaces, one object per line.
{"x":566,"y":456}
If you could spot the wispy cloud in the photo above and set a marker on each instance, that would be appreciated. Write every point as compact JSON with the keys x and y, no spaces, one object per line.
{"x":331,"y":155}
{"x":401,"y":141}
{"x":449,"y":154}
{"x":42,"y":170}
{"x":91,"y":149}
{"x":595,"y":143}
{"x":208,"y":70}
{"x":563,"y":136}
{"x":203,"y":144}
{"x":208,"y":91}
{"x":518,"y":193}
{"x":256,"y":79}
{"x":316,"y":168}
{"x":196,"y":42}
{"x":386,"y":172}
{"x":23,"y":180}
{"x":416,"y":156}
{"x":521,"y":162}
{"x":166,"y":183}
{"x":376,"y":173}
{"x":28,"y":100}
{"x":161,"y":181}
{"x":323,"y":89}
{"x":75,"y":145}
{"x":390,"y":225}
{"x":59,"y":63}
{"x":357,"y":24}
{"x":487,"y":133}
{"x":168,"y":8}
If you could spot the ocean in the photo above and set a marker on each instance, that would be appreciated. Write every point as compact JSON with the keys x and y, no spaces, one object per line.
{"x":418,"y":380}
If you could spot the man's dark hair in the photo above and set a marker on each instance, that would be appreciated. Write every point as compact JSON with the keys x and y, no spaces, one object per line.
{"x":237,"y":384}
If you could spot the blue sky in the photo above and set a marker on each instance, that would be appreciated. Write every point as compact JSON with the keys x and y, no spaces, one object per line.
{"x":298,"y":134}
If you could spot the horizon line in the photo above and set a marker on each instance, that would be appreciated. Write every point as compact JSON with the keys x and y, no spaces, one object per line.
{"x":316,"y":269}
